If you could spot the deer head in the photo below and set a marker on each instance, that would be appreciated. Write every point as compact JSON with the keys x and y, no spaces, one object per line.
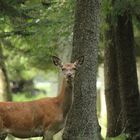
{"x":68,"y":69}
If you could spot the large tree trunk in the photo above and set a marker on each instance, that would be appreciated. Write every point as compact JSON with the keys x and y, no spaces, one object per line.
{"x":112,"y":95}
{"x":4,"y":83}
{"x":127,"y":74}
{"x":82,"y":123}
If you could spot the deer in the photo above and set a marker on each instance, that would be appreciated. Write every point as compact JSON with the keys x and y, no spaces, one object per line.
{"x":43,"y":117}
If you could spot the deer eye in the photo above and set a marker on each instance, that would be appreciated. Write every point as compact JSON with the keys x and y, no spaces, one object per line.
{"x":63,"y":69}
{"x":75,"y":69}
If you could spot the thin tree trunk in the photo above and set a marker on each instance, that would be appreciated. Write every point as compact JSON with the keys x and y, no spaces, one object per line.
{"x":112,"y":95}
{"x":82,"y":123}
{"x":128,"y":82}
{"x":4,"y":83}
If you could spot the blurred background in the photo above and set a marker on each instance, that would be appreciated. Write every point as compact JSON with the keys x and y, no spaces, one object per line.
{"x":33,"y":30}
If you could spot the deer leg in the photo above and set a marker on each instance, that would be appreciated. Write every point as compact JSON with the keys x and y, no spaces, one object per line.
{"x":52,"y":130}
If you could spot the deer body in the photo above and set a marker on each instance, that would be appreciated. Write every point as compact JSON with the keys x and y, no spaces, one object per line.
{"x":43,"y":117}
{"x":27,"y":119}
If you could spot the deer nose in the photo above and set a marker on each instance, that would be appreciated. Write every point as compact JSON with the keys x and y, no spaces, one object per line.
{"x":69,"y":75}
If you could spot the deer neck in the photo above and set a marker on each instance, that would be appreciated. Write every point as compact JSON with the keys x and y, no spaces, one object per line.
{"x":65,"y":96}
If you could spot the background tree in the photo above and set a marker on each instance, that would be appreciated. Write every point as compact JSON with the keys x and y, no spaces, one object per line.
{"x":4,"y":81}
{"x":128,"y":83}
{"x":82,"y":120}
{"x":120,"y":43}
{"x":113,"y":102}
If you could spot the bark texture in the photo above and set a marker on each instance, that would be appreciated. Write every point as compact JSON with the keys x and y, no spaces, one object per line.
{"x":112,"y":95}
{"x":128,"y":82}
{"x":82,"y":123}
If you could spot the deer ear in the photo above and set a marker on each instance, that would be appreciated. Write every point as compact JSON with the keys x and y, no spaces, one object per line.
{"x":79,"y":61}
{"x":57,"y":61}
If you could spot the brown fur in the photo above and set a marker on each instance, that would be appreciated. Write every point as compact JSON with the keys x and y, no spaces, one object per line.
{"x":44,"y":117}
{"x":34,"y":118}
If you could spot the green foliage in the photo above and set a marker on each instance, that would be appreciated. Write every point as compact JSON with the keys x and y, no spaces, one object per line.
{"x":112,"y":9}
{"x":32,"y":35}
{"x":119,"y":7}
{"x":131,"y":7}
{"x":26,"y":97}
{"x":106,"y":7}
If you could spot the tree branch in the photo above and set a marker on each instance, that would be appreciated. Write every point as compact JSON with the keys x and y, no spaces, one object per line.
{"x":13,"y":33}
{"x":9,"y":10}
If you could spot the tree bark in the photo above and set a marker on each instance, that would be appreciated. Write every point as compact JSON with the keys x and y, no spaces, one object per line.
{"x":82,"y":123}
{"x":112,"y":95}
{"x":4,"y":82}
{"x":128,"y":82}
